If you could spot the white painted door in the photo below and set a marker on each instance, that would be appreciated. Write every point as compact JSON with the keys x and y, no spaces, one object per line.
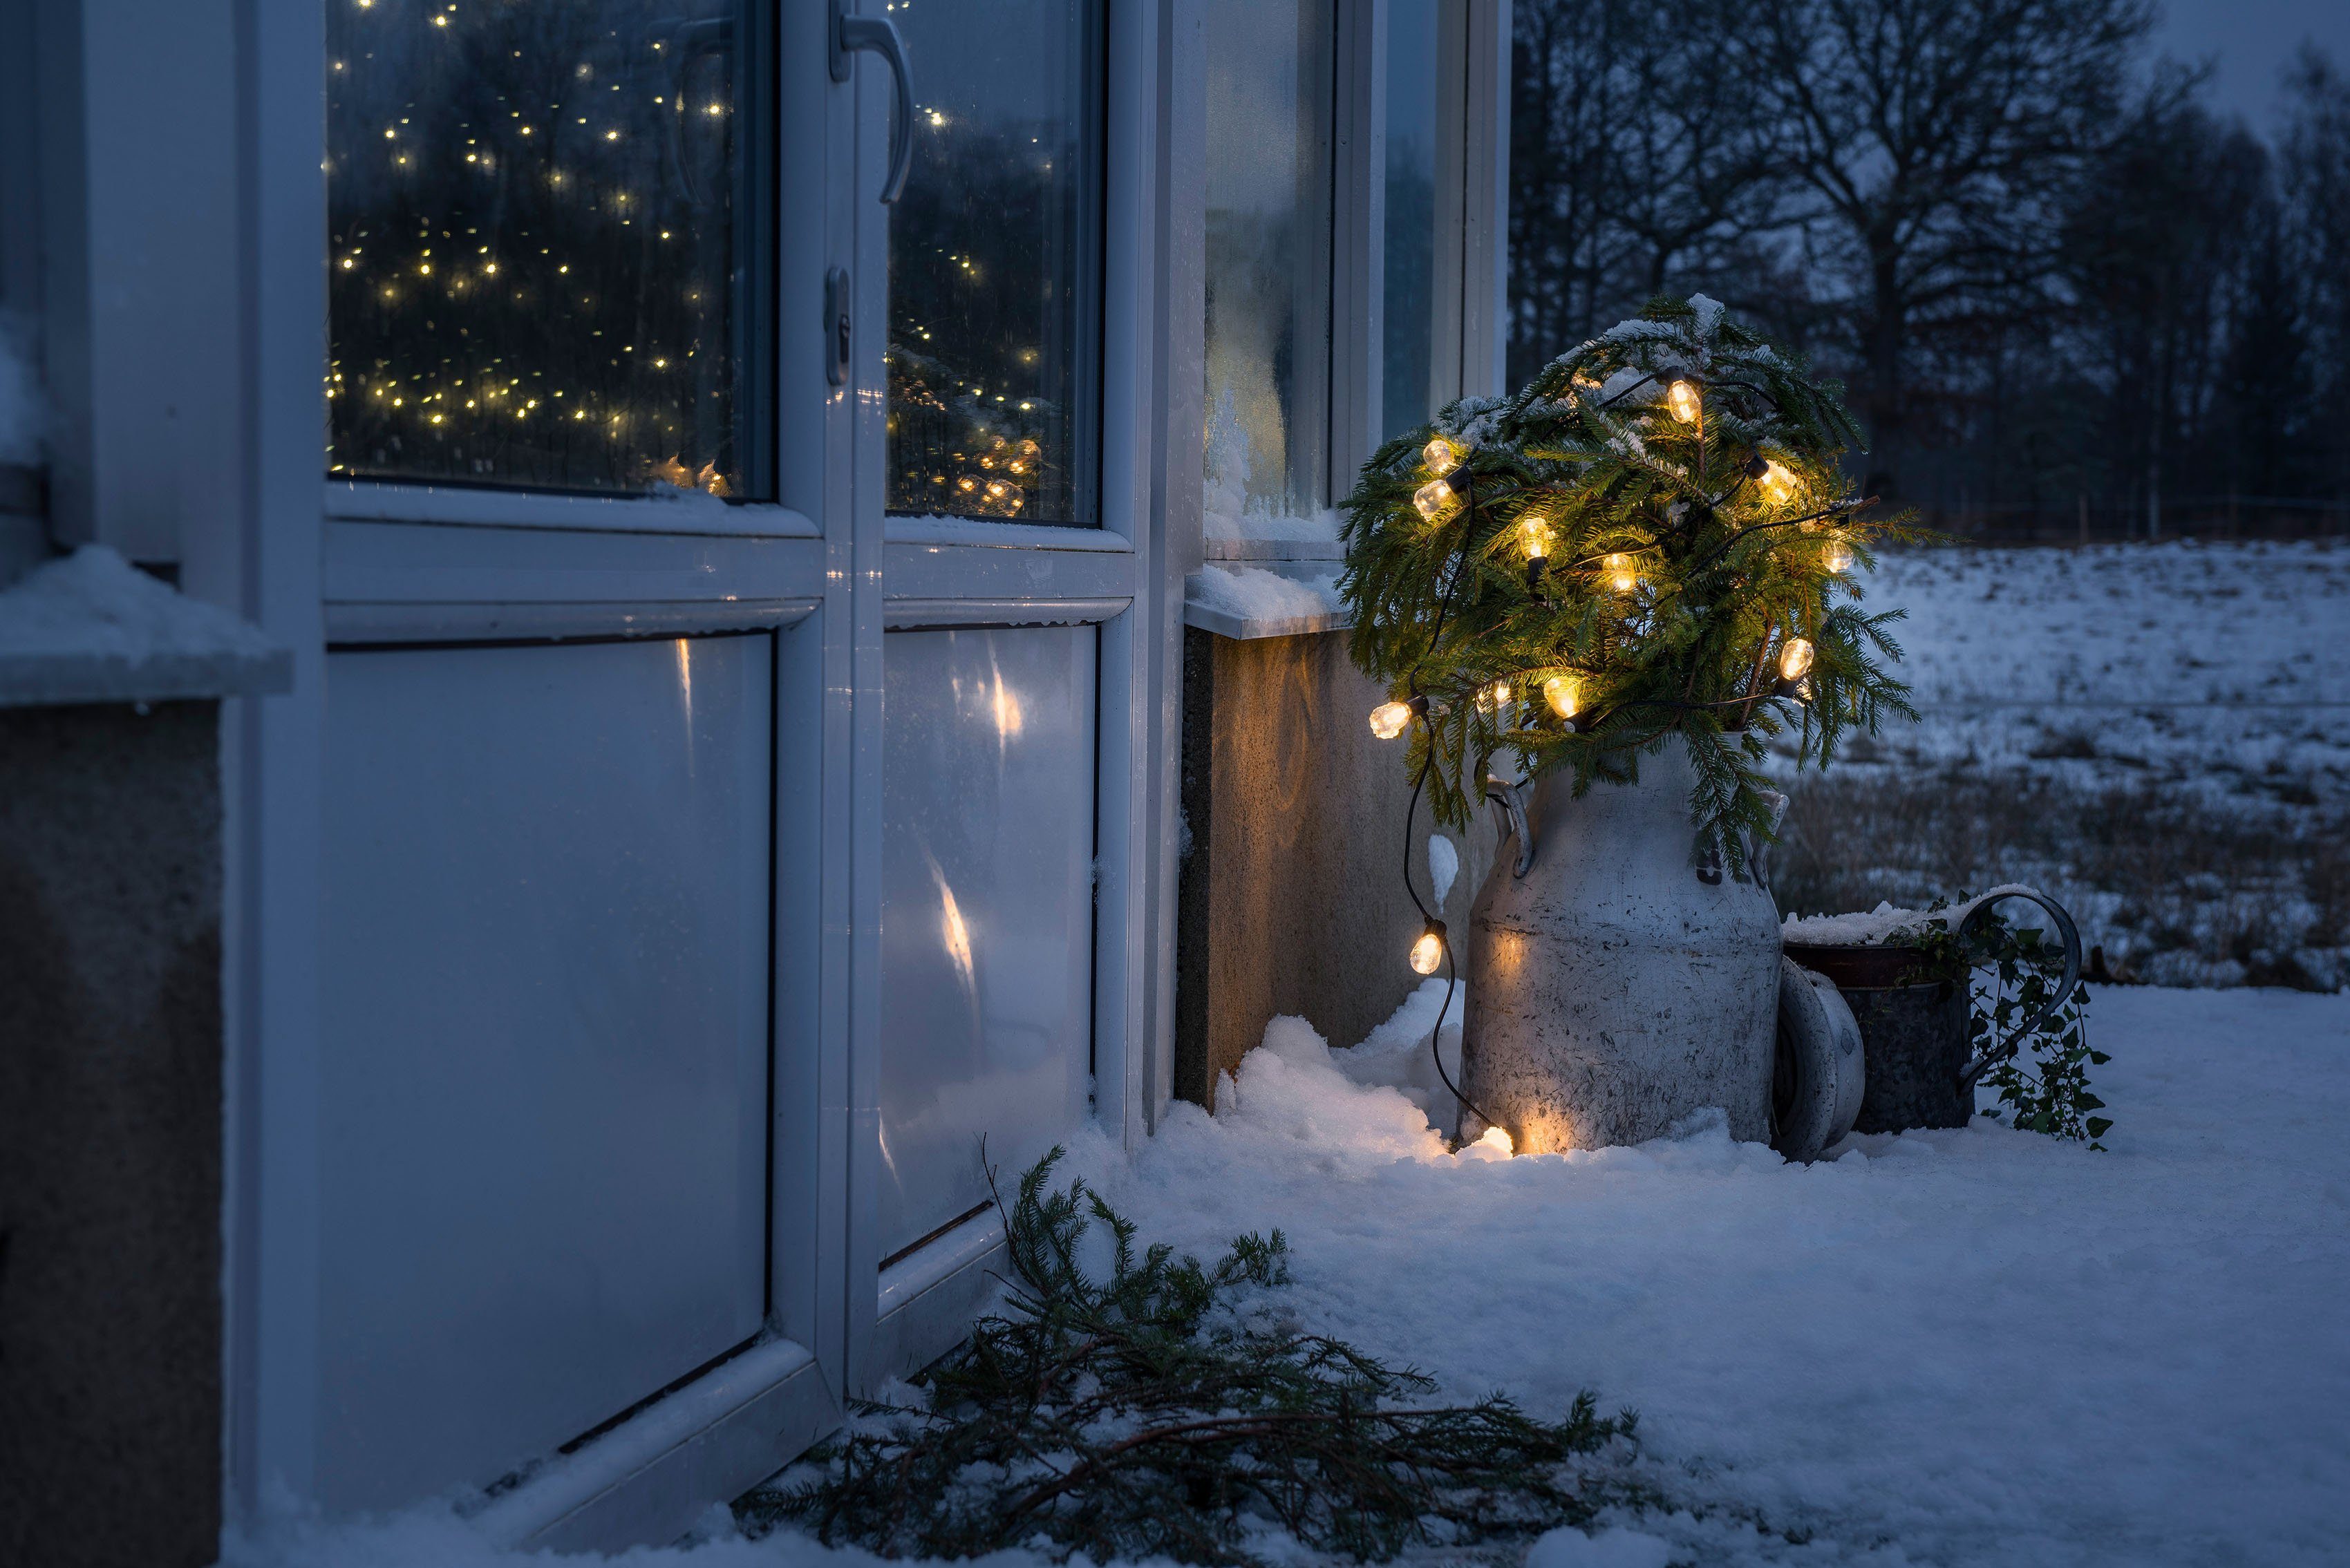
{"x":738,"y":679}
{"x":1008,"y":466}
{"x":589,"y":774}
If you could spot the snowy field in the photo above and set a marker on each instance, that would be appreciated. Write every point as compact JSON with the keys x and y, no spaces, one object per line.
{"x":1965,"y":1347}
{"x":2158,"y":735}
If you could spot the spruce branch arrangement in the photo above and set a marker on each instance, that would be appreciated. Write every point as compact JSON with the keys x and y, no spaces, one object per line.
{"x":1172,"y":1409}
{"x":1653,"y":538}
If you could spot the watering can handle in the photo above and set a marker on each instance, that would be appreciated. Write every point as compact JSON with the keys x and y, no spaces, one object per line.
{"x":2065,"y":987}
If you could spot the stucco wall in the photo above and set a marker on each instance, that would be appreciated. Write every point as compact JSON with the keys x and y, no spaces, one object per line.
{"x":110,"y":1137}
{"x":1292,"y":896}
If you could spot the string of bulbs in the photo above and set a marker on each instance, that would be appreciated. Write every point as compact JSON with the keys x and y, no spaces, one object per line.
{"x":1450,"y":487}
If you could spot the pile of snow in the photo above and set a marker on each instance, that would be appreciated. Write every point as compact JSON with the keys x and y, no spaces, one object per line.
{"x":1975,"y":1347}
{"x":1884,"y":923}
{"x":1255,"y":594}
{"x":94,"y":602}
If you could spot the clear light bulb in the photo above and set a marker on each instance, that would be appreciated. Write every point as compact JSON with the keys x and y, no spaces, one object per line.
{"x":1778,"y":483}
{"x":1681,"y":399}
{"x":1795,"y":659}
{"x":1390,"y":719}
{"x":1536,"y":532}
{"x":1837,"y":556}
{"x":1564,"y":695}
{"x":1434,"y":499}
{"x":1621,"y":574}
{"x":1442,"y":456}
{"x":1428,"y":953}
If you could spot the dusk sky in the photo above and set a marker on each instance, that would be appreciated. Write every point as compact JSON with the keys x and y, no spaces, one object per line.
{"x":2252,"y":40}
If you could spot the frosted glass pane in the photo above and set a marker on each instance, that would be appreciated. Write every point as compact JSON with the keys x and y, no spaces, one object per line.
{"x":544,"y":1072}
{"x":1407,"y":395}
{"x":987,"y":913}
{"x":995,"y":264}
{"x":1268,"y":177}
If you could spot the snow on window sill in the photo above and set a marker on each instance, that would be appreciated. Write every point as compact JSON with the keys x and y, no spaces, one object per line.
{"x":92,"y":627}
{"x":1244,"y":602}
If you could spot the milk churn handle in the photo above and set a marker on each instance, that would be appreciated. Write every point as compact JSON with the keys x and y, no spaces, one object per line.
{"x":1512,"y":800}
{"x":2065,"y":987}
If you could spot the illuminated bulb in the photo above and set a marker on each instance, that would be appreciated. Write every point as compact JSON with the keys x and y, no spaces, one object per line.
{"x":1778,"y":483}
{"x":1434,"y":499}
{"x":1795,"y":659}
{"x":1621,"y":574}
{"x":1681,"y":398}
{"x":1388,"y":719}
{"x":1428,"y":953}
{"x":1564,"y":695}
{"x":1536,"y":533}
{"x":1502,"y":692}
{"x":1837,"y":556}
{"x":1498,"y":1140}
{"x":1441,"y":455}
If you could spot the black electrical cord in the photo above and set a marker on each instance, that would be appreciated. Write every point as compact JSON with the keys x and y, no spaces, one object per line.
{"x":1411,"y":814}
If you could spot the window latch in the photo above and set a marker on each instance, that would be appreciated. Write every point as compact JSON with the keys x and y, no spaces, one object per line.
{"x":850,"y":33}
{"x":836,"y":326}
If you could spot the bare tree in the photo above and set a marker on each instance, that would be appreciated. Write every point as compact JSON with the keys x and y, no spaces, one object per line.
{"x":1643,"y":161}
{"x":1935,"y":142}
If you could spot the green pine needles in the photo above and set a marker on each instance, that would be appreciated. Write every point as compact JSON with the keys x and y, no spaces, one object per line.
{"x":1152,"y":1406}
{"x":1653,"y":538}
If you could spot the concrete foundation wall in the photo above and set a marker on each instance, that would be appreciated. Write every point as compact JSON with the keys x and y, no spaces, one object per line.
{"x":110,"y":1137}
{"x":1292,"y":899}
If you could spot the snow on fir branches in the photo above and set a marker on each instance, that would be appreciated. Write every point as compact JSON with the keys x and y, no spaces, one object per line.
{"x":1654,"y":537}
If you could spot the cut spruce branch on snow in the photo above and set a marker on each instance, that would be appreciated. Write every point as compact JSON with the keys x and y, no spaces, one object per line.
{"x":1142,"y":1405}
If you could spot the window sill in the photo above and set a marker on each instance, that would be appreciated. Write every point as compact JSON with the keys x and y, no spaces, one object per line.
{"x":1284,"y":599}
{"x":91,"y":628}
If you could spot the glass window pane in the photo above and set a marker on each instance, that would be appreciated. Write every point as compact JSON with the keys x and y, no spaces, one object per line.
{"x":1408,"y":392}
{"x":540,"y":250}
{"x":995,"y":263}
{"x":1268,"y":260}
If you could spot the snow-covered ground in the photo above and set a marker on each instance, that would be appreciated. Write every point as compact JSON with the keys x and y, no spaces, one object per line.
{"x":2157,"y":734}
{"x":1964,"y":1347}
{"x":2202,"y":665}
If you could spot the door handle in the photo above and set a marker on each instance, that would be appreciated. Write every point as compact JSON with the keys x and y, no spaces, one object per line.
{"x":850,"y":33}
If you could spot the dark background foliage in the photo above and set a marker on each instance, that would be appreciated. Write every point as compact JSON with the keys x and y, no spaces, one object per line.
{"x":2068,"y":296}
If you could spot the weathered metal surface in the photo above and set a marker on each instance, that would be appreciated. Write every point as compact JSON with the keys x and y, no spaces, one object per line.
{"x":1819,"y":1078}
{"x":1612,"y":993}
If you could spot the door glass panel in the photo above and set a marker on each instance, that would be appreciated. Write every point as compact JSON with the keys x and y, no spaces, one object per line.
{"x":995,"y":264}
{"x":541,"y":248}
{"x":1407,"y":393}
{"x":1268,"y":258}
{"x":987,"y":832}
{"x":543,"y":1079}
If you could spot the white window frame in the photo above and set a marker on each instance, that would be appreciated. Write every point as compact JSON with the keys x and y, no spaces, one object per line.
{"x":317,"y":562}
{"x":1471,"y":261}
